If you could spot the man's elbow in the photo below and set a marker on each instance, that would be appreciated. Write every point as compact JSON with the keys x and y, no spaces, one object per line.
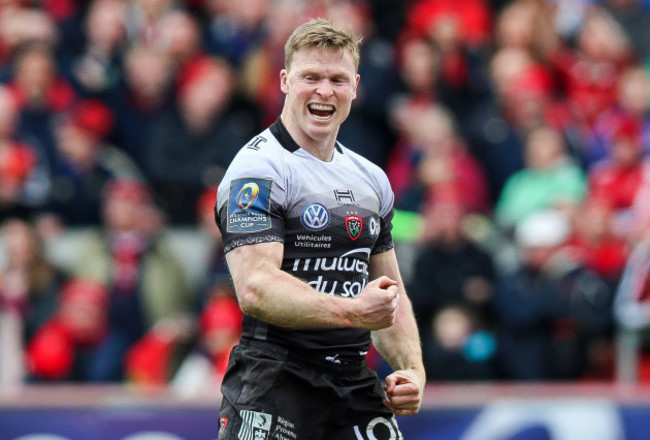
{"x":249,"y":296}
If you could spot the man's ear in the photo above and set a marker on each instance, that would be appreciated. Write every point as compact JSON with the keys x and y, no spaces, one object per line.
{"x":356,"y":86}
{"x":284,"y":86}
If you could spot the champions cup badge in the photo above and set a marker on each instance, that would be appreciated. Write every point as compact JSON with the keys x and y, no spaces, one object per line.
{"x":247,"y":195}
{"x":249,"y":205}
{"x":354,"y":226}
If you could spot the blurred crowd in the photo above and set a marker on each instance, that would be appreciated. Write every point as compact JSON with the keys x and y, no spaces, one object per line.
{"x":516,"y":131}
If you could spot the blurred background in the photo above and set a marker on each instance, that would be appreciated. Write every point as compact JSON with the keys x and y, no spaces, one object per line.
{"x":515,"y":134}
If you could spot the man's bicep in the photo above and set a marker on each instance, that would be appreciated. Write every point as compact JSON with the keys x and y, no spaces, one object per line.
{"x":245,"y":260}
{"x":384,"y":263}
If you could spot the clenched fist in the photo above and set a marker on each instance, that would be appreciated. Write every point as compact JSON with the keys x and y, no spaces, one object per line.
{"x":376,"y":306}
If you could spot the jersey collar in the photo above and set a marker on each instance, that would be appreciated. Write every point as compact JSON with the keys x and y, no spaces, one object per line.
{"x":282,"y":135}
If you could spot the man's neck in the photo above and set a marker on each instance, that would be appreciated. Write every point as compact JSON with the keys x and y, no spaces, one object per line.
{"x":322,"y":149}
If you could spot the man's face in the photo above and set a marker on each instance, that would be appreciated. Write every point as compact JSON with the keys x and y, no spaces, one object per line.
{"x":320,"y":86}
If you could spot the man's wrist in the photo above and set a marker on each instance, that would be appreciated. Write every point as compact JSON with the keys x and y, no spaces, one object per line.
{"x":418,"y":371}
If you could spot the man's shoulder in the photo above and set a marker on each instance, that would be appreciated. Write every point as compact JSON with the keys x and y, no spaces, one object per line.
{"x":360,"y":161}
{"x":261,"y":159}
{"x":263,"y":147}
{"x":370,"y":169}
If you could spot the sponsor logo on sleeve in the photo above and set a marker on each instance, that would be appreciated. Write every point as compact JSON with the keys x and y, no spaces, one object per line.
{"x":354,"y":226}
{"x":249,"y":205}
{"x":374,"y":227}
{"x":255,"y":143}
{"x":315,"y":217}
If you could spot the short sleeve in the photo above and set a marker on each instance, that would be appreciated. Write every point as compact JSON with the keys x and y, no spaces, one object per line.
{"x":250,"y":201}
{"x":385,"y":240}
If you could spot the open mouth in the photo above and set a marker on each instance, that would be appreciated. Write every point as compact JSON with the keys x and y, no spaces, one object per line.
{"x":321,"y":112}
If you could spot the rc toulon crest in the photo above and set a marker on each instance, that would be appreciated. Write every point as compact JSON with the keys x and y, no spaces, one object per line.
{"x":354,"y":226}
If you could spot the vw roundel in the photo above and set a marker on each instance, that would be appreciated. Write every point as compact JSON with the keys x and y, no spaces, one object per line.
{"x":315,"y":217}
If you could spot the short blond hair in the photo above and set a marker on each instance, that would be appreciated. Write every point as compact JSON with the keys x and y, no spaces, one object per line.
{"x":321,"y":34}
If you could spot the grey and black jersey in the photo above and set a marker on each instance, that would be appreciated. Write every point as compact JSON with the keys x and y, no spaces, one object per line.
{"x":331,"y":217}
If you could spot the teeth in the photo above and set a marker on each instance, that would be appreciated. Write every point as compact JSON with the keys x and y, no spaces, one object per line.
{"x":322,"y":107}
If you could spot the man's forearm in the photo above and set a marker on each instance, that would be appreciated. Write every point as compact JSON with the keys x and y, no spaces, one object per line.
{"x":266,"y":292}
{"x":400,"y":344}
{"x":280,"y":299}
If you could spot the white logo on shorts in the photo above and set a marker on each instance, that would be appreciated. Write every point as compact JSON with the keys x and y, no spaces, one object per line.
{"x":254,"y":425}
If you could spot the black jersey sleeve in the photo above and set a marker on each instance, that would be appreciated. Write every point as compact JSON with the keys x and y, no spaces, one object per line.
{"x":385,"y":240}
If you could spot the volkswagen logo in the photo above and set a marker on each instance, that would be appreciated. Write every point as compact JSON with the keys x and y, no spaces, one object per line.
{"x":315,"y":217}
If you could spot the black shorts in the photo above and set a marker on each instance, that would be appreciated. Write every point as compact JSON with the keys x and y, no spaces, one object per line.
{"x":269,"y":395}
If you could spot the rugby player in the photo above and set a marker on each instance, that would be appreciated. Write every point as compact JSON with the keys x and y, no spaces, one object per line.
{"x":306,"y":227}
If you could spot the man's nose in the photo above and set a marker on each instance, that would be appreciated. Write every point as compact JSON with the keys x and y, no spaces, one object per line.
{"x":325,"y":89}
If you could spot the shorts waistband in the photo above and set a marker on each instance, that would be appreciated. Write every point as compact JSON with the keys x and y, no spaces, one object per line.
{"x":321,"y":361}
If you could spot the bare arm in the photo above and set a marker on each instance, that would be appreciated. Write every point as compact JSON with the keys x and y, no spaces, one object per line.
{"x":400,"y":344}
{"x":266,"y":292}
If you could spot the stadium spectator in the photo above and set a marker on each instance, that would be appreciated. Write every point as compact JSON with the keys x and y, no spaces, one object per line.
{"x":616,"y":179}
{"x":29,"y":275}
{"x":632,"y":106}
{"x":492,"y":136}
{"x":433,"y":163}
{"x":366,"y":127}
{"x":140,"y":99}
{"x":458,"y":347}
{"x":632,"y":17}
{"x":259,"y":68}
{"x":419,"y":71}
{"x":21,"y":25}
{"x":180,"y":39}
{"x":69,"y":346}
{"x":216,"y":269}
{"x":474,"y":18}
{"x":24,"y":172}
{"x":589,"y":73}
{"x":596,"y":243}
{"x":84,"y":163}
{"x":553,"y":316}
{"x":550,"y":179}
{"x":234,"y":29}
{"x":219,"y":330}
{"x":146,"y":284}
{"x":193,"y":143}
{"x":143,"y":20}
{"x":96,"y":68}
{"x":446,"y":169}
{"x":29,"y":288}
{"x":631,"y":304}
{"x":418,"y":68}
{"x":41,"y":93}
{"x":631,"y":309}
{"x":449,"y":268}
